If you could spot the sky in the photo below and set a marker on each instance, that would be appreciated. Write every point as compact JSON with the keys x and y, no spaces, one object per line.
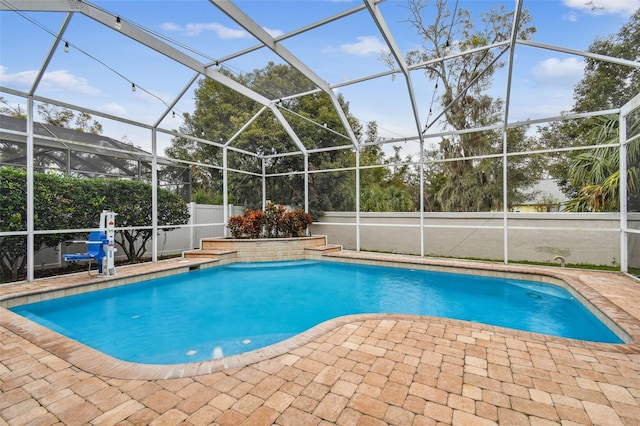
{"x":101,"y":65}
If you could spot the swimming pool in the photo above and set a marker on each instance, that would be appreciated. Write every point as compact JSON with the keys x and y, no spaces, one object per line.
{"x":236,"y":308}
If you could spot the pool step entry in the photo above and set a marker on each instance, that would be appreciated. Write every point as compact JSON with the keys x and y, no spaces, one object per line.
{"x":261,"y":250}
{"x":322,"y":250}
{"x":210,"y":254}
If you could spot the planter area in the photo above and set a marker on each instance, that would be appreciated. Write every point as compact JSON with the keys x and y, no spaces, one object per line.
{"x":262,"y":249}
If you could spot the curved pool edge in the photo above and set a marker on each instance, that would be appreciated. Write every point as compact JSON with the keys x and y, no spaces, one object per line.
{"x":576,"y":281}
{"x":582,"y":282}
{"x":95,"y":362}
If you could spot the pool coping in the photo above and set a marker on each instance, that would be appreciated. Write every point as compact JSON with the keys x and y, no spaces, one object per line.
{"x":95,"y":362}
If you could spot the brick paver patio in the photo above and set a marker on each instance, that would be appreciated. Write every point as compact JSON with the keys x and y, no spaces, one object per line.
{"x":360,"y":370}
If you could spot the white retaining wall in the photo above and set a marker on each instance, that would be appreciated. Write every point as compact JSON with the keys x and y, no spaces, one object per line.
{"x":580,"y":238}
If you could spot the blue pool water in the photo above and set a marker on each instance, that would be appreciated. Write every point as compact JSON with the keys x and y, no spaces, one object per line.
{"x":240,"y":307}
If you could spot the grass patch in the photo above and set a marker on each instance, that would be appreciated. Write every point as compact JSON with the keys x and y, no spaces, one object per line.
{"x":569,"y":265}
{"x":524,"y":262}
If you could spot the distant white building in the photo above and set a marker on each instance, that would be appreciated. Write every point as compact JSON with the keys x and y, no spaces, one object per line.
{"x":544,"y":196}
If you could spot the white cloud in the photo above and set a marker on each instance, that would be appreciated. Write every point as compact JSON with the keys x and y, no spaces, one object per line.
{"x":171,"y":27}
{"x":151,"y":96}
{"x":220,"y":30}
{"x":560,"y":72}
{"x":547,"y":109}
{"x":22,"y":79}
{"x":114,"y":109}
{"x":195,"y":28}
{"x":52,"y":81}
{"x":603,"y":7}
{"x":364,"y":46}
{"x":571,"y":17}
{"x":273,"y":33}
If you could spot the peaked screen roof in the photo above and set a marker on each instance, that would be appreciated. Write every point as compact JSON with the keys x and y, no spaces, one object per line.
{"x":156,"y":38}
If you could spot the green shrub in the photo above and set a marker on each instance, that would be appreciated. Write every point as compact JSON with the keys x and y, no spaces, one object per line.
{"x":63,"y":202}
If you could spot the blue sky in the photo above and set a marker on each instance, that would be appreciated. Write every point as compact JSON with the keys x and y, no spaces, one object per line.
{"x":101,"y":62}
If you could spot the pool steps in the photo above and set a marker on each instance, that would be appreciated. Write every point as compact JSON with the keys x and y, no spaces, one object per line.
{"x":208,"y":254}
{"x":265,"y":249}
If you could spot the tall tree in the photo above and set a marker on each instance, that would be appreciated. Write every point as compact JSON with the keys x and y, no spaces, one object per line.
{"x":55,"y":116}
{"x":64,"y":117}
{"x":220,"y":113}
{"x":591,"y":178}
{"x":10,"y":110}
{"x":85,"y":123}
{"x":467,"y":184}
{"x":389,"y":191}
{"x":606,"y":85}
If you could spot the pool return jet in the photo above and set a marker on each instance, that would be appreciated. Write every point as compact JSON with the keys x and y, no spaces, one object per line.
{"x":100,"y":246}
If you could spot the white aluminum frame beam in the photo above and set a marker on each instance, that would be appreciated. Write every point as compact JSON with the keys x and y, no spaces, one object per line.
{"x":628,"y":108}
{"x":31,"y":252}
{"x":176,"y":99}
{"x":378,"y":19}
{"x":586,"y":54}
{"x":505,"y":125}
{"x":52,"y":50}
{"x":242,"y":19}
{"x":142,"y":37}
{"x":296,"y":32}
{"x":154,"y":196}
{"x":623,"y":194}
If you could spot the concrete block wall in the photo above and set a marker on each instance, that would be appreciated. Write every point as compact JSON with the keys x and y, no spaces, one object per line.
{"x":580,"y":238}
{"x":265,"y":250}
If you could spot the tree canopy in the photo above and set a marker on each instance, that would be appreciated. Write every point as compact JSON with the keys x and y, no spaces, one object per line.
{"x":461,"y":185}
{"x":64,"y":117}
{"x":56,"y":116}
{"x":606,"y":85}
{"x":220,"y":113}
{"x":457,"y":180}
{"x":592,"y":177}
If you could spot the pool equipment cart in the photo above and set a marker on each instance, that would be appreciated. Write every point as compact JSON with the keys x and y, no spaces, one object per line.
{"x":100,"y":246}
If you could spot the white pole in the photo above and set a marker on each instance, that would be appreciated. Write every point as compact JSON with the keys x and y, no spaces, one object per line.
{"x":192,"y":221}
{"x":357,"y":198}
{"x":30,"y":194}
{"x":264,"y":184}
{"x":306,"y":182}
{"x":225,"y":190}
{"x":622,"y":137}
{"x":422,"y":229}
{"x":507,"y":101}
{"x":154,"y":196}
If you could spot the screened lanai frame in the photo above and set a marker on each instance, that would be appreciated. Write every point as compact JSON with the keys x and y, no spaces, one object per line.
{"x":208,"y":70}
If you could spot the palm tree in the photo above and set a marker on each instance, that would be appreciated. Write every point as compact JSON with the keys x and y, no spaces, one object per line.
{"x":597,"y":172}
